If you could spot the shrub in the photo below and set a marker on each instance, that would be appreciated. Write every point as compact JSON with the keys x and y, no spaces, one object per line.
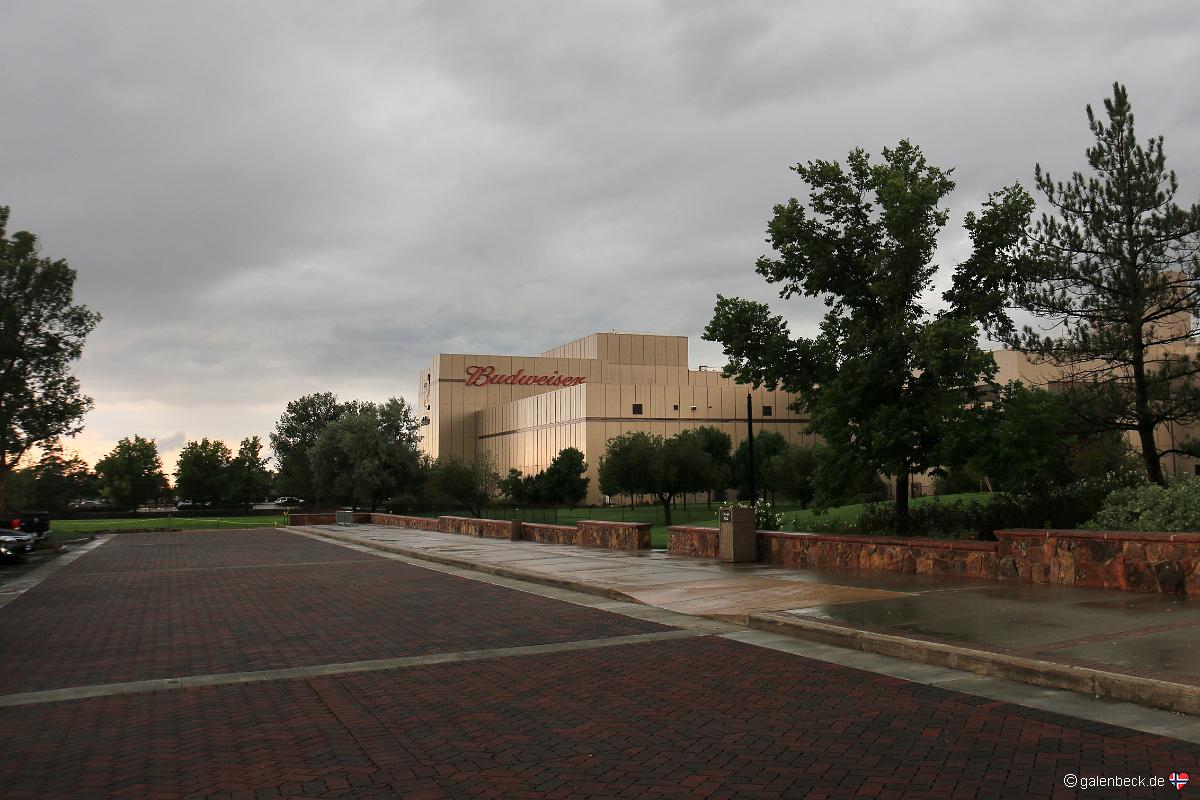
{"x":765,"y":516}
{"x":1151,"y":507}
{"x":935,"y":519}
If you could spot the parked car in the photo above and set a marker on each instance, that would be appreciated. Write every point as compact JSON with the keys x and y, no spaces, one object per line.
{"x":288,"y":501}
{"x":190,"y":505}
{"x":94,"y":504}
{"x":15,"y":546}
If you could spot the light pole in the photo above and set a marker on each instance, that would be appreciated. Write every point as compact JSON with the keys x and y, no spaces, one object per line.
{"x":750,"y":444}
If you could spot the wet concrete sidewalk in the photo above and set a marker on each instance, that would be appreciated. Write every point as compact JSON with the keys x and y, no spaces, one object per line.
{"x":1083,"y":636}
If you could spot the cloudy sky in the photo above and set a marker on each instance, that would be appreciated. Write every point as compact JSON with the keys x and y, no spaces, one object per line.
{"x":266,"y":199}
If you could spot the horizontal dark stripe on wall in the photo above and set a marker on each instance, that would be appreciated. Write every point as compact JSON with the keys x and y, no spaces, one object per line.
{"x":707,"y":421}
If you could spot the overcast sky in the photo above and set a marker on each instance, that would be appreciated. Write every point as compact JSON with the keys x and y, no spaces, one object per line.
{"x":270,"y":199}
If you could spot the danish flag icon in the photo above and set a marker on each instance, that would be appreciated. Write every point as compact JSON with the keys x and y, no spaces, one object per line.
{"x":1179,"y":779}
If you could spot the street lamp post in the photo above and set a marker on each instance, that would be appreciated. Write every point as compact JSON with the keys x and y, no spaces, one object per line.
{"x":750,"y":444}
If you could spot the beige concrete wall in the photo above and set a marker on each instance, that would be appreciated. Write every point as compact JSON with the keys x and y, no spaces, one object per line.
{"x":527,"y":434}
{"x":627,"y":348}
{"x":525,"y":426}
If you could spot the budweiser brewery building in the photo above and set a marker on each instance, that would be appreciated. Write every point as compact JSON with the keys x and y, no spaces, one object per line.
{"x":525,"y":409}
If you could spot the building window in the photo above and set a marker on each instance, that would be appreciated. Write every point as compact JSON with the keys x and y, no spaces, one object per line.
{"x":767,"y":411}
{"x":676,"y":406}
{"x":637,"y":408}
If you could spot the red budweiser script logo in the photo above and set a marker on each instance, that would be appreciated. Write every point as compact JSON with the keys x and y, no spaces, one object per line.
{"x":486,"y":376}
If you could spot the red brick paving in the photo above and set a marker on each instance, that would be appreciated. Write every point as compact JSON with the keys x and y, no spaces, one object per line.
{"x":687,"y":718}
{"x":163,"y":605}
{"x":692,"y":718}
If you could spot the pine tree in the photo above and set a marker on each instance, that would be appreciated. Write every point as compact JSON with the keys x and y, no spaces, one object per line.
{"x":1114,"y":272}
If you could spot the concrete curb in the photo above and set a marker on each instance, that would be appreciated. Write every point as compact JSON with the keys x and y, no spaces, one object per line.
{"x":1177,"y":697}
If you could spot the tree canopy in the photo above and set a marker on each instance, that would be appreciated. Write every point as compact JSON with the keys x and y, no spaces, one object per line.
{"x":562,"y":482}
{"x":296,"y":431}
{"x":638,"y":463}
{"x":132,"y":473}
{"x":885,"y":379}
{"x":42,"y":331}
{"x":249,"y":479}
{"x":472,"y":485}
{"x":1112,"y":273}
{"x":202,"y":471}
{"x":368,"y":453}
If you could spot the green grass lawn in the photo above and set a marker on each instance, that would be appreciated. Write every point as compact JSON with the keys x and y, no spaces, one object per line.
{"x":850,"y":513}
{"x":66,"y":527}
{"x":695,"y":514}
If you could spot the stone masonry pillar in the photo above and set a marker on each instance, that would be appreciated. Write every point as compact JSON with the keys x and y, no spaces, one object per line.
{"x":739,"y":540}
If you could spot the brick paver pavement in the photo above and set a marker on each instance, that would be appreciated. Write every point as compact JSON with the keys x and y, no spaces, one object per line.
{"x":171,"y":604}
{"x":698,"y":717}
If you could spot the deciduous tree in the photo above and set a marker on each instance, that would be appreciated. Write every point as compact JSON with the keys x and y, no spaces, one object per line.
{"x":767,"y":445}
{"x":249,"y":479}
{"x":59,"y":479}
{"x":295,"y":434}
{"x":638,"y":463}
{"x":42,"y":331}
{"x":563,"y":480}
{"x":368,"y":453}
{"x":473,"y":485}
{"x":202,"y":471}
{"x":717,"y":444}
{"x":885,"y":379}
{"x":132,"y":473}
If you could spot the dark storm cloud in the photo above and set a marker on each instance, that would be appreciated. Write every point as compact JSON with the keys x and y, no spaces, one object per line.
{"x":273,"y":198}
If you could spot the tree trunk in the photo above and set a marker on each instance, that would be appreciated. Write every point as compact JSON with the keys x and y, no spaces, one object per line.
{"x":902,"y":491}
{"x":666,"y":501}
{"x":1145,"y":422}
{"x":3,"y":482}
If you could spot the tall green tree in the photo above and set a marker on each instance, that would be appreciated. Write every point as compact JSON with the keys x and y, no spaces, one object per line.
{"x":59,"y":479}
{"x":249,"y":480}
{"x":368,"y":453}
{"x":296,"y":431}
{"x":637,"y":463}
{"x":202,"y":471}
{"x":471,"y":485}
{"x":767,"y":446}
{"x":885,"y":379}
{"x":42,"y":331}
{"x":718,"y":445}
{"x":132,"y":473}
{"x":515,"y":487}
{"x":1114,"y":269}
{"x":1033,"y":440}
{"x":792,"y":473}
{"x":563,"y":480}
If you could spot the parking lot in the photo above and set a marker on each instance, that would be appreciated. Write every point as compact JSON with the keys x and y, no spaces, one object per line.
{"x":257,"y":664}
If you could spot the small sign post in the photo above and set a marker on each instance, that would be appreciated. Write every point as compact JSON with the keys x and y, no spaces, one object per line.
{"x":739,"y":540}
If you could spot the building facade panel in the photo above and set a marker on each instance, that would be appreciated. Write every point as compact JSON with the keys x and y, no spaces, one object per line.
{"x":525,"y":409}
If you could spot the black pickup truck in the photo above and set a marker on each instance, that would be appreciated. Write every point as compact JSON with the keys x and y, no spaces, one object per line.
{"x":35,"y":523}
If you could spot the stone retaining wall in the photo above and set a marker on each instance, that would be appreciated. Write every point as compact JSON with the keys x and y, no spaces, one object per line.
{"x":613,"y":535}
{"x":915,"y":556}
{"x":483,"y":528}
{"x":548,"y":534}
{"x":700,"y":542}
{"x":403,"y":521}
{"x":1167,"y":563}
